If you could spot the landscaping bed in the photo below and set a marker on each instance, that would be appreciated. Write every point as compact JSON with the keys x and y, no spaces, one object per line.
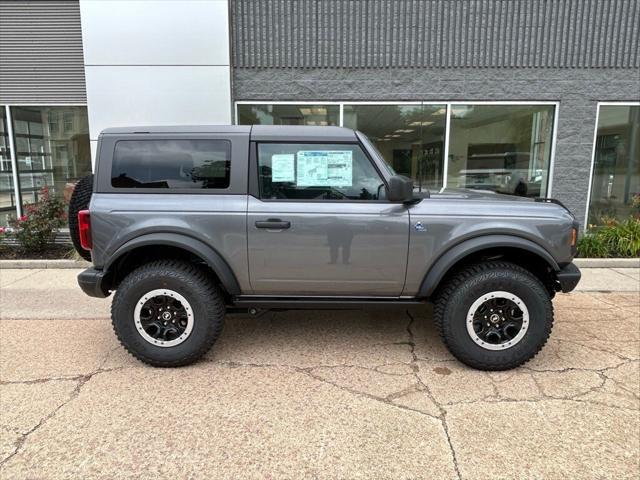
{"x":51,"y":252}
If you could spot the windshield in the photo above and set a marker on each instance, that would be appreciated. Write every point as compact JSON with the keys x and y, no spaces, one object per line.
{"x":372,"y":148}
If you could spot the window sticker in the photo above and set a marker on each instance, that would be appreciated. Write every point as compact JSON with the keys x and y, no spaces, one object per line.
{"x":325,"y":168}
{"x":282,"y":168}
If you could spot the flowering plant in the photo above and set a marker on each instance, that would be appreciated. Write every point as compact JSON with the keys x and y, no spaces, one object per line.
{"x":41,"y":221}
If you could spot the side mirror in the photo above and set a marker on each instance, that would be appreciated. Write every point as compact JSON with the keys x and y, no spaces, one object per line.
{"x":400,"y":189}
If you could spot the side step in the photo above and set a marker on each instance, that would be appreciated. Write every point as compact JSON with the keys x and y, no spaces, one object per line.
{"x":320,"y":303}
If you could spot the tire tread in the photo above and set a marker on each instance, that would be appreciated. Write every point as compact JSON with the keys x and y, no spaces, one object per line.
{"x":211,"y":297}
{"x":453,"y":283}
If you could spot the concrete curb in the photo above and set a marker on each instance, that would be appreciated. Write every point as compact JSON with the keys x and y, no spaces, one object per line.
{"x":43,"y":264}
{"x":607,"y":262}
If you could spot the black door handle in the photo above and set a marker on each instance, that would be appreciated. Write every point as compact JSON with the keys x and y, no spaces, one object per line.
{"x":273,"y":223}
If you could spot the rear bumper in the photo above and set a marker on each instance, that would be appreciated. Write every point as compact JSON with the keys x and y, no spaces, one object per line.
{"x":568,"y":276}
{"x":92,"y":283}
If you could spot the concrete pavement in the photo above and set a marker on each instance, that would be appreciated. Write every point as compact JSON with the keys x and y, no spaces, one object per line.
{"x":316,"y":394}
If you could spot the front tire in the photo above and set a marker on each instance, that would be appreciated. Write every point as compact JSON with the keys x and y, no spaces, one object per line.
{"x":494,"y":315}
{"x":168,"y":313}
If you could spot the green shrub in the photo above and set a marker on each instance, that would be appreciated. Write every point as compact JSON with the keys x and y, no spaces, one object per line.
{"x":38,"y":226}
{"x":614,"y":239}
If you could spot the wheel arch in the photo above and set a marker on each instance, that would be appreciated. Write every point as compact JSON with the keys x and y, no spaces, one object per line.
{"x":173,"y":244}
{"x":519,"y":250}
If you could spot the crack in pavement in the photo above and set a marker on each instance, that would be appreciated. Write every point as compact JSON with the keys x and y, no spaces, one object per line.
{"x":22,"y":278}
{"x":443,"y":414}
{"x":308,"y":371}
{"x":81,"y":381}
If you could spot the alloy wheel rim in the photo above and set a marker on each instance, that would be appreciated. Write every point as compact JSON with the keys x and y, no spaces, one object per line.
{"x":163,"y":317}
{"x":497,"y":320}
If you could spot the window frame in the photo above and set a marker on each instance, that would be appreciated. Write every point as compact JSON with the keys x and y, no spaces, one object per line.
{"x":113,"y":158}
{"x":254,"y":177}
{"x":237,"y":174}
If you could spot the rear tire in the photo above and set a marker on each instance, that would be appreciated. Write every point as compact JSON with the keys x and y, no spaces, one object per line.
{"x":470,"y":314}
{"x":184,"y":293}
{"x":80,"y":199}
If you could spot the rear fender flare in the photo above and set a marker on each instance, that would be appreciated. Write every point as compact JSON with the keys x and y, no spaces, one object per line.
{"x":212,"y":258}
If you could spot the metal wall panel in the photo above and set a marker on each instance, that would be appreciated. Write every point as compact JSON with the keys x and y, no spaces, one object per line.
{"x":41,"y":52}
{"x":435,"y":33}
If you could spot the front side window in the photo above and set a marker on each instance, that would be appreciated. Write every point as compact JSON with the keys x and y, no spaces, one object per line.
{"x":171,"y":164}
{"x":295,"y":171}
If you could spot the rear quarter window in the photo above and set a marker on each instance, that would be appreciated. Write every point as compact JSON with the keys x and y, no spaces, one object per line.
{"x":171,"y":164}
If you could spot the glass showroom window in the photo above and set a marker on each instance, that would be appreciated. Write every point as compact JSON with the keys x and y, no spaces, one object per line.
{"x":615,"y":185}
{"x":504,"y":148}
{"x":409,"y":137}
{"x":7,"y":196}
{"x":52,"y":149}
{"x":288,"y":114}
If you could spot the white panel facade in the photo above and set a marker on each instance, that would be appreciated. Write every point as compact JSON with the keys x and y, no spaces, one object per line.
{"x":156,"y":62}
{"x":152,"y":32}
{"x":130,"y":96}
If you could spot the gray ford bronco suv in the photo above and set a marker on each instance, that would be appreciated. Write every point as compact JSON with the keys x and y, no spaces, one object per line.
{"x":185,"y":223}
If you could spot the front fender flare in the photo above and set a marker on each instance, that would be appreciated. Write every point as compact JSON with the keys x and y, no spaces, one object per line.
{"x":456,"y":253}
{"x":212,"y":258}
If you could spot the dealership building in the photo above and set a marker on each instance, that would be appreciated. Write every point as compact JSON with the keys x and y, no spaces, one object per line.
{"x":537,"y":98}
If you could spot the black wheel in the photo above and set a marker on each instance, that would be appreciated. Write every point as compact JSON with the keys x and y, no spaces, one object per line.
{"x":494,"y":315}
{"x":168,"y":313}
{"x":80,"y":199}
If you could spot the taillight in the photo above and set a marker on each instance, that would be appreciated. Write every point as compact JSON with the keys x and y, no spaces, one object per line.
{"x":84,"y":228}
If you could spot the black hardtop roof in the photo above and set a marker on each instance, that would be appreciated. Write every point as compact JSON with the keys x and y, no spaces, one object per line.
{"x":258,"y":132}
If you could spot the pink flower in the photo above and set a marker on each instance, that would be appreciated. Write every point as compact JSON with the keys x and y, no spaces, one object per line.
{"x":23,"y":218}
{"x":2,"y":229}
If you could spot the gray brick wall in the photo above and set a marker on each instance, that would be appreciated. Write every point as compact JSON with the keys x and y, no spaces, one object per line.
{"x":435,"y":33}
{"x":310,"y":52}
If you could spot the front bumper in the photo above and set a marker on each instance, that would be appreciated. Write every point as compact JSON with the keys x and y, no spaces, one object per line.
{"x":568,"y":277}
{"x":92,"y":282}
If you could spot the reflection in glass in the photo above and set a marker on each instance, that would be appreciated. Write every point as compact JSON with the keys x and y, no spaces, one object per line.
{"x":52,"y":149}
{"x":616,"y":168}
{"x":503,"y":148}
{"x":409,"y":137}
{"x":7,"y":197}
{"x":177,"y":164}
{"x":318,"y":115}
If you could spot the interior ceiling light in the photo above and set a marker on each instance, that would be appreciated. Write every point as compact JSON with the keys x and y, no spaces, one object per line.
{"x":305,"y":111}
{"x":320,"y":111}
{"x":442,"y":111}
{"x":418,"y":124}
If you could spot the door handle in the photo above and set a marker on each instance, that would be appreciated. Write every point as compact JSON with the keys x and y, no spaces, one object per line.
{"x":273,"y":224}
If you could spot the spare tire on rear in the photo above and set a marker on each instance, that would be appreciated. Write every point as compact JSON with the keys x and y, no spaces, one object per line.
{"x":80,"y":199}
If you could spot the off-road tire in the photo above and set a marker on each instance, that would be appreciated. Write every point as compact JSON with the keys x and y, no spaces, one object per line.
{"x":190,"y":281}
{"x":80,"y":199}
{"x":466,"y":286}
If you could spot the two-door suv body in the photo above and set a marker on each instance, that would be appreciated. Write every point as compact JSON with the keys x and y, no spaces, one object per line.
{"x":184,"y":223}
